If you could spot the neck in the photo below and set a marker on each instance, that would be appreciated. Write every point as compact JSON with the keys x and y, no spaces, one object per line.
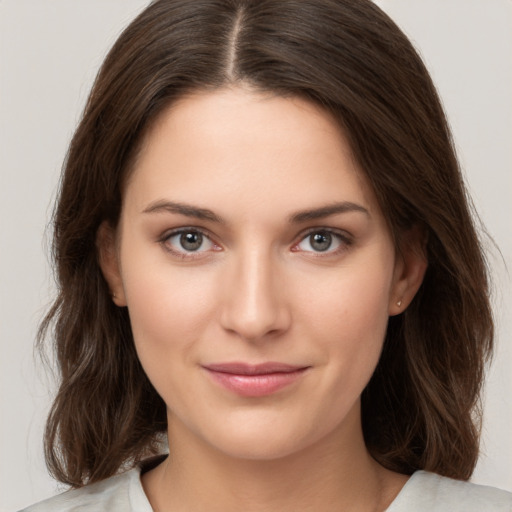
{"x":334,"y":474}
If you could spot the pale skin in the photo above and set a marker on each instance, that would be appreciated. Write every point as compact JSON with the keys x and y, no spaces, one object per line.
{"x":249,"y":234}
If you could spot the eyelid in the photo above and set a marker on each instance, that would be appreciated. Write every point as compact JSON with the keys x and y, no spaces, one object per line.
{"x":346,"y":240}
{"x":164,"y":238}
{"x":345,"y":237}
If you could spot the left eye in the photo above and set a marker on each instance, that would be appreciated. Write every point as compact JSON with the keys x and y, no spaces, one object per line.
{"x":189,"y":241}
{"x":321,"y":241}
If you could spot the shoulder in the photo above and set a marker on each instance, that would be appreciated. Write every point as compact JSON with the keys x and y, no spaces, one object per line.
{"x":428,"y":492}
{"x":120,"y":493}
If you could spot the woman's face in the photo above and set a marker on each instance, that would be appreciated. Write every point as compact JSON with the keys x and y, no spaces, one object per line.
{"x":258,"y":272}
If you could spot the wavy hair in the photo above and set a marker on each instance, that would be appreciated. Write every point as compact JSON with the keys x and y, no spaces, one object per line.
{"x":421,"y":407}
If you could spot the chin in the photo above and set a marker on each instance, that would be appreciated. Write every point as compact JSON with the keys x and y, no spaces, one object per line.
{"x":263,"y":448}
{"x":263,"y":439}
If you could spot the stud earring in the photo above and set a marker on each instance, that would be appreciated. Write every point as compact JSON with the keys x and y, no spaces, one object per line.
{"x":399,"y":303}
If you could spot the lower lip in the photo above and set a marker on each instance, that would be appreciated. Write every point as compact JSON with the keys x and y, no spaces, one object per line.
{"x":256,"y":385}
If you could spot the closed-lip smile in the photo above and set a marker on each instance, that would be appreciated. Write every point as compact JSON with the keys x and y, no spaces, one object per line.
{"x":255,"y":380}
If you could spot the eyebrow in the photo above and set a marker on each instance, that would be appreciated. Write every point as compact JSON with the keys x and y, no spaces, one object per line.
{"x":184,"y":209}
{"x":295,"y":218}
{"x":327,"y":211}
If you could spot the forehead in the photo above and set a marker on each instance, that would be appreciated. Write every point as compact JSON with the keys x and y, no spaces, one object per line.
{"x":237,"y":144}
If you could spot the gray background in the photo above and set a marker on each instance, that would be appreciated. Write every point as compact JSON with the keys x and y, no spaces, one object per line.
{"x":49,"y":53}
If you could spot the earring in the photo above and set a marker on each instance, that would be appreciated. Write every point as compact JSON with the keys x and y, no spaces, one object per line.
{"x":113,"y":295}
{"x":399,"y":303}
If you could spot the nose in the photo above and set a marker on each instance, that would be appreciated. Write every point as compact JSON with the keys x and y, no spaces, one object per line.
{"x":254,"y":305}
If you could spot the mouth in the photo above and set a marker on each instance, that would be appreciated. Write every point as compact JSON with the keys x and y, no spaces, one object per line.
{"x":257,"y":380}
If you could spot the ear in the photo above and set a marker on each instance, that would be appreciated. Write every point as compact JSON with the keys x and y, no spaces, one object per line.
{"x":410,"y":267}
{"x":108,"y":259}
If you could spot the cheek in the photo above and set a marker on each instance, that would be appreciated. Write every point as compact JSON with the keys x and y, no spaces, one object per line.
{"x":353,"y":300}
{"x":349,"y":326}
{"x":168,"y":307}
{"x":348,"y":317}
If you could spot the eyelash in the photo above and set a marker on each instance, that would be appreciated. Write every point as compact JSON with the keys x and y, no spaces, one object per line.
{"x":190,"y":255}
{"x":344,"y":239}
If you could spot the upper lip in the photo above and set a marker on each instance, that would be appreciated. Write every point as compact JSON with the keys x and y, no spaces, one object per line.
{"x":238,"y":368}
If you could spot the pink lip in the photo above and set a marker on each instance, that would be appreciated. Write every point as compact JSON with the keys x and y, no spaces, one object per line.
{"x":255,"y":380}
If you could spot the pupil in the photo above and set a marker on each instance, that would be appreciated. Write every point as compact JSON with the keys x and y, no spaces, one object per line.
{"x":321,"y":241}
{"x":191,"y":241}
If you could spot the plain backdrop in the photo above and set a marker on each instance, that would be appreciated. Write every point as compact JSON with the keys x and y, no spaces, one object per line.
{"x":50,"y":51}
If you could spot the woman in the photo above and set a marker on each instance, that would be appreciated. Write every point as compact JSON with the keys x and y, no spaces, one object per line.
{"x":258,"y":241}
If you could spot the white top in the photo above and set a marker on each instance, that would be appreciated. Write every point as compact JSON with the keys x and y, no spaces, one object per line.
{"x":423,"y":492}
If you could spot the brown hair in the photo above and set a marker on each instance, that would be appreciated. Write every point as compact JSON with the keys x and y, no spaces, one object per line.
{"x":420,"y":409}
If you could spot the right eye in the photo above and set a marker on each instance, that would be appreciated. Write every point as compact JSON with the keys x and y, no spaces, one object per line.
{"x":188,"y":242}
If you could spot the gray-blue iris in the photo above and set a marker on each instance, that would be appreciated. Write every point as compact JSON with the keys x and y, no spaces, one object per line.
{"x":321,"y":241}
{"x":191,"y":241}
